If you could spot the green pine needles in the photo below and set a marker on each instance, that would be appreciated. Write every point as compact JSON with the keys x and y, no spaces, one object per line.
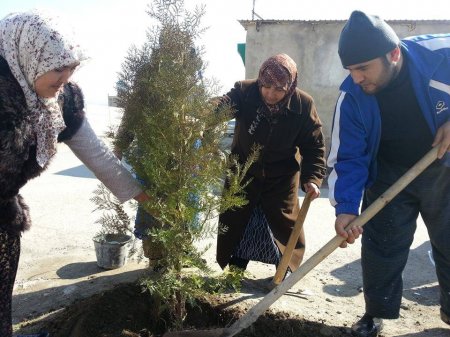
{"x":170,"y":135}
{"x":114,"y":219}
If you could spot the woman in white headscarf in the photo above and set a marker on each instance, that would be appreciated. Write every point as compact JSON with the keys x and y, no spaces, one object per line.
{"x":38,"y":108}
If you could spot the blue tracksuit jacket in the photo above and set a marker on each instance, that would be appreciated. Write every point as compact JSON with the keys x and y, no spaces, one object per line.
{"x":357,"y":122}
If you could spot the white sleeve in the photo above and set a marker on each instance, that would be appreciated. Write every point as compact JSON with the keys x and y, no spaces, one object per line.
{"x":94,"y":153}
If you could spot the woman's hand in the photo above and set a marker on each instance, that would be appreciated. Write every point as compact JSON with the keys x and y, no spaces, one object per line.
{"x":142,"y":197}
{"x":313,"y":189}
{"x":148,"y":204}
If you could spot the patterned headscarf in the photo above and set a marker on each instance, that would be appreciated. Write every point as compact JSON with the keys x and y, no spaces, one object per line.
{"x":279,"y":71}
{"x":32,"y":44}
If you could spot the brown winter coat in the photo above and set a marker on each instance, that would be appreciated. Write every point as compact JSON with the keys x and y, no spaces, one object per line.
{"x":276,"y":174}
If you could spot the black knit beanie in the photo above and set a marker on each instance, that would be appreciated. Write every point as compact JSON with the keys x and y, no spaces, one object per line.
{"x":364,"y":38}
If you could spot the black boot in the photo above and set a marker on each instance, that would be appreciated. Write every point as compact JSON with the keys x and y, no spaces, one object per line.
{"x":238,"y":262}
{"x":367,"y":326}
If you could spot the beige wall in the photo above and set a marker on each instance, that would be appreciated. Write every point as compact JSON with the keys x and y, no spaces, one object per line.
{"x":313,"y":46}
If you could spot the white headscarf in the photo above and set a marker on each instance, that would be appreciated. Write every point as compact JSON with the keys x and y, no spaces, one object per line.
{"x":32,"y":44}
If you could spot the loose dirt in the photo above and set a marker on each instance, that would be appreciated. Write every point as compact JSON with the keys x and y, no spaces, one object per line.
{"x":126,"y":311}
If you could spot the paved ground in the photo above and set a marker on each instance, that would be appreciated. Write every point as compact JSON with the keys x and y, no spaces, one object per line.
{"x":58,"y":260}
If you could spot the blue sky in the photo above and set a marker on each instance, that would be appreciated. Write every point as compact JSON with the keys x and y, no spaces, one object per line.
{"x":107,"y":28}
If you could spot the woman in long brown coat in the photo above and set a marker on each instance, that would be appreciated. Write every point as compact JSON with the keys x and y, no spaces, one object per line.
{"x":272,"y":112}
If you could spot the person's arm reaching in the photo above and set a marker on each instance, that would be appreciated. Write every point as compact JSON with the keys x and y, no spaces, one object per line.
{"x":107,"y":168}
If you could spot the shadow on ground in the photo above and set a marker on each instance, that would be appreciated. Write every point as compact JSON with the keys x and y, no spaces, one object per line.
{"x":436,"y":332}
{"x":54,"y":298}
{"x":80,"y":171}
{"x":416,"y":285}
{"x":73,"y":271}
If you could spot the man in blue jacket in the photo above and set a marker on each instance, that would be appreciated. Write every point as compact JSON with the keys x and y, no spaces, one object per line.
{"x":393,"y":108}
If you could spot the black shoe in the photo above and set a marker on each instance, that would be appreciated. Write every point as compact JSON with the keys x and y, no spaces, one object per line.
{"x":367,"y":326}
{"x":445,"y":318}
{"x":238,"y":262}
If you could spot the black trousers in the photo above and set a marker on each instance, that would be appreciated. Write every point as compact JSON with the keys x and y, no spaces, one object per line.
{"x":9,"y":260}
{"x":387,"y":238}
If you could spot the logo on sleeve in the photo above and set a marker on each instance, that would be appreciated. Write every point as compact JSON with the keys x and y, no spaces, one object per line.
{"x":440,"y":107}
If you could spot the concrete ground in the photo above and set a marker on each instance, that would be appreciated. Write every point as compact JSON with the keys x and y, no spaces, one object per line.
{"x":58,"y":263}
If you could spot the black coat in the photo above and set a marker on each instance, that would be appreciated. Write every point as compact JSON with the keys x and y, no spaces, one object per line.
{"x":17,"y":154}
{"x":277,"y":174}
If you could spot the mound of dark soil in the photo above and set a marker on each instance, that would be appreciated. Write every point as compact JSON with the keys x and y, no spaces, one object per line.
{"x":126,"y":311}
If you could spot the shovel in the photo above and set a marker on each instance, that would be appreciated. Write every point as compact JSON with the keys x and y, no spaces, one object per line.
{"x":252,"y":314}
{"x":296,"y":231}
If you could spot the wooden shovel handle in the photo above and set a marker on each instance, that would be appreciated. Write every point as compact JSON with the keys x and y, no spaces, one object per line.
{"x":293,"y":239}
{"x":253,"y":314}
